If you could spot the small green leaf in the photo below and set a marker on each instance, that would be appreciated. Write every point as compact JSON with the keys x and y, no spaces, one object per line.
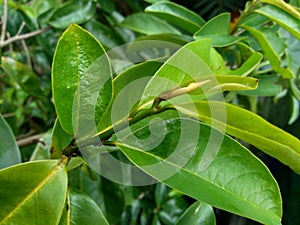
{"x":83,"y":210}
{"x":249,"y":65}
{"x":177,"y":15}
{"x":34,"y":193}
{"x":284,"y":6}
{"x":9,"y":150}
{"x":124,"y":88}
{"x":267,"y":86}
{"x":221,"y":40}
{"x":217,"y":25}
{"x":24,"y":76}
{"x":81,"y":81}
{"x":198,"y":213}
{"x":148,"y":24}
{"x":42,"y":149}
{"x":79,"y":11}
{"x":234,"y":180}
{"x":251,"y":128}
{"x":106,"y":35}
{"x":177,"y":39}
{"x":270,"y":52}
{"x":189,"y":63}
{"x":283,"y":18}
{"x":60,"y":140}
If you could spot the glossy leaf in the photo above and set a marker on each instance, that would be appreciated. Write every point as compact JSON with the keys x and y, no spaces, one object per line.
{"x":283,"y":18}
{"x":235,"y":180}
{"x":82,"y":210}
{"x":81,"y":81}
{"x":33,"y":193}
{"x":269,"y":52}
{"x":9,"y":150}
{"x":147,"y":24}
{"x":79,"y":11}
{"x":23,"y":75}
{"x":177,"y":15}
{"x":198,"y":213}
{"x":251,"y":128}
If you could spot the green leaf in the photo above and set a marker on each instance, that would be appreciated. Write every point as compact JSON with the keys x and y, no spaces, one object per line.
{"x":125,"y":89}
{"x":233,"y":180}
{"x":251,"y":128}
{"x":24,"y":76}
{"x":60,"y":140}
{"x":9,"y":150}
{"x":207,"y":86}
{"x":82,"y":210}
{"x":269,"y":52}
{"x":79,"y":11}
{"x":267,"y":86}
{"x":177,"y":15}
{"x":221,"y":40}
{"x":249,"y":65}
{"x":34,"y":193}
{"x":284,"y":6}
{"x":217,"y":25}
{"x":283,"y":18}
{"x":189,"y":63}
{"x":198,"y":213}
{"x":147,"y":24}
{"x":107,"y":5}
{"x":81,"y":81}
{"x":42,"y":149}
{"x":106,"y":35}
{"x":177,"y":39}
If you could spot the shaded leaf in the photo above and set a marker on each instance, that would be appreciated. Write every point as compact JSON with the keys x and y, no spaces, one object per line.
{"x":269,"y":52}
{"x":198,"y":213}
{"x":148,"y":24}
{"x":106,"y":35}
{"x":79,"y":11}
{"x":82,"y":210}
{"x":249,"y":65}
{"x":177,"y":15}
{"x":267,"y":86}
{"x":251,"y":128}
{"x":234,"y":180}
{"x":42,"y":149}
{"x":60,"y":140}
{"x":33,"y":193}
{"x":283,"y":18}
{"x":9,"y":150}
{"x":125,"y":89}
{"x":23,"y":76}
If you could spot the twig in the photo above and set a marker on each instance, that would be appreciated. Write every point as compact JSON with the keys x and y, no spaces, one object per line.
{"x":26,"y":51}
{"x":29,"y":140}
{"x":23,"y":36}
{"x":4,"y":21}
